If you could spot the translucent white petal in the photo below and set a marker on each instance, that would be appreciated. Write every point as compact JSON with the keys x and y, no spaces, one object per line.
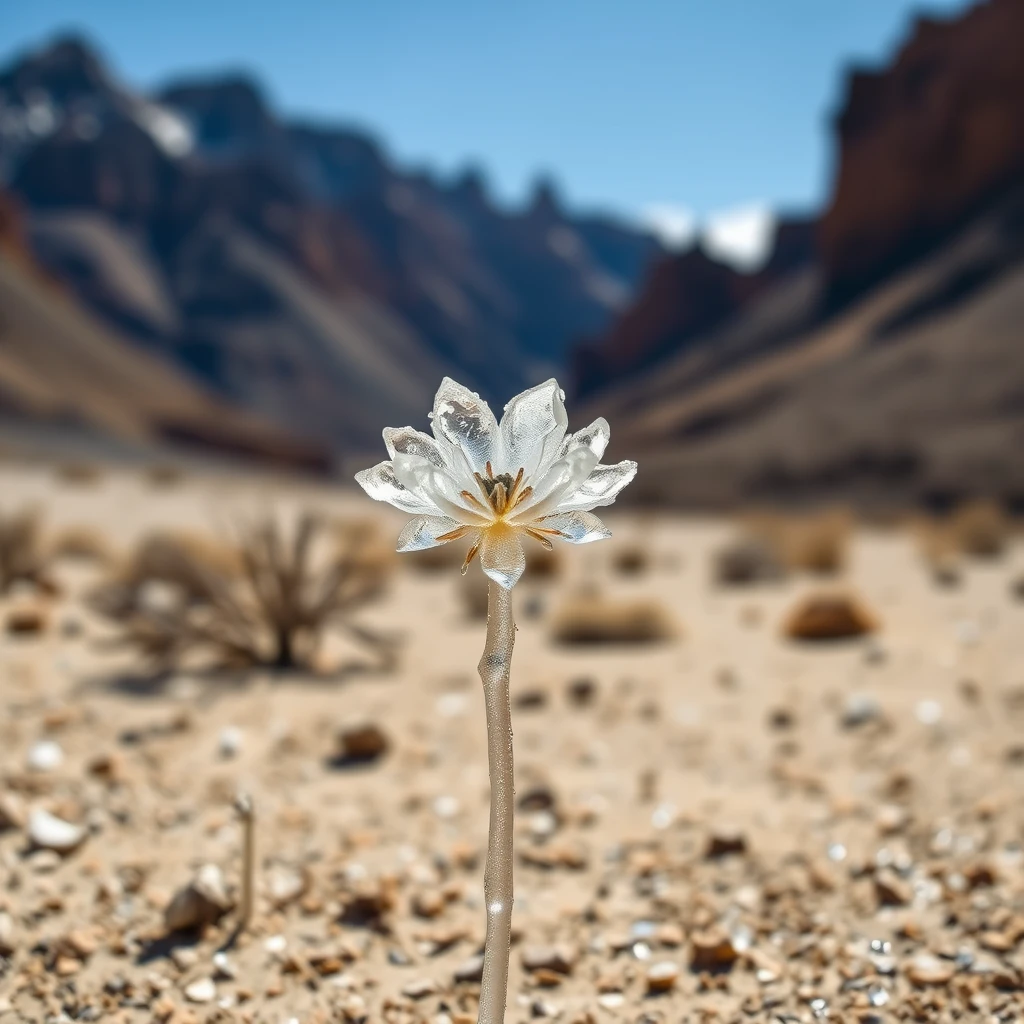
{"x":465,"y":420}
{"x":560,"y":480}
{"x":595,"y":437}
{"x":502,"y":556}
{"x":600,"y":488}
{"x":577,"y":527}
{"x":533,"y":427}
{"x":382,"y":484}
{"x":424,"y":478}
{"x":413,"y":442}
{"x":424,"y":532}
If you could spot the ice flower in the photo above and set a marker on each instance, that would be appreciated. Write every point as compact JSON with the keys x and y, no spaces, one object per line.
{"x":497,"y":483}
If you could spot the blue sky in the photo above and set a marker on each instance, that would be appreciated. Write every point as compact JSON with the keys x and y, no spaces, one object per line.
{"x":686,"y":107}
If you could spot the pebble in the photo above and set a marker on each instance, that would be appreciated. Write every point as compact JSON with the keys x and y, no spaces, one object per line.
{"x":891,"y":890}
{"x":286,"y":884}
{"x":419,"y":989}
{"x":361,"y":742}
{"x":712,"y":950}
{"x":559,"y":959}
{"x":45,"y":756}
{"x":12,"y":811}
{"x":662,"y":976}
{"x":202,"y":902}
{"x":860,"y":709}
{"x":202,"y":990}
{"x":229,"y":743}
{"x":471,"y":970}
{"x":724,"y":841}
{"x":48,"y":832}
{"x":7,"y":934}
{"x":927,"y":969}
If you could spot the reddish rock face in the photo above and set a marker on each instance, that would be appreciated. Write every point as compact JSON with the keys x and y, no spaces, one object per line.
{"x":925,"y":143}
{"x":686,"y":296}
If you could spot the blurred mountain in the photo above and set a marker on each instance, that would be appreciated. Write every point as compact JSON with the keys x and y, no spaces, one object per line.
{"x":877,"y":357}
{"x":64,"y":373}
{"x":291,"y":267}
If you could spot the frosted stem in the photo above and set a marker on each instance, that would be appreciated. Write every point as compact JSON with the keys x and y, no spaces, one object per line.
{"x":495,"y":666}
{"x":246,"y":811}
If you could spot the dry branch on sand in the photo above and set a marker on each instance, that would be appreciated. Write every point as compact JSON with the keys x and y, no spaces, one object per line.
{"x":265,"y":600}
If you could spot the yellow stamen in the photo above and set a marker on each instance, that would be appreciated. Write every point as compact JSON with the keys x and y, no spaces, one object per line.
{"x":470,"y":555}
{"x":459,"y":531}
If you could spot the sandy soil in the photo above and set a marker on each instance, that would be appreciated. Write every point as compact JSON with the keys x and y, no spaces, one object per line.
{"x":726,"y":826}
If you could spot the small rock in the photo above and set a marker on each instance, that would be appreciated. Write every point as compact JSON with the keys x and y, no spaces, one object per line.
{"x":662,"y":976}
{"x":829,"y":616}
{"x":108,"y":767}
{"x":891,"y":890}
{"x":559,"y":959}
{"x":45,"y":756}
{"x":471,"y":970}
{"x":419,"y":989}
{"x":223,"y":968}
{"x":44,"y":862}
{"x":530,"y":699}
{"x":201,"y":991}
{"x":229,"y":743}
{"x":48,"y":832}
{"x":428,"y":904}
{"x":890,"y":819}
{"x":285,"y":885}
{"x":200,"y":903}
{"x":860,"y":709}
{"x":581,"y":692}
{"x":926,"y":969}
{"x":725,"y":841}
{"x":712,"y":951}
{"x":12,"y":811}
{"x":26,"y":620}
{"x":184,"y":957}
{"x":7,"y":934}
{"x":361,"y":742}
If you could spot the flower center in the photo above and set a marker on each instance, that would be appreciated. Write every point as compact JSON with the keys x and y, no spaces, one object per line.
{"x":501,"y":491}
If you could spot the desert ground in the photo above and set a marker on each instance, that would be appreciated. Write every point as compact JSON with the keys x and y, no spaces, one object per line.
{"x":717,"y":822}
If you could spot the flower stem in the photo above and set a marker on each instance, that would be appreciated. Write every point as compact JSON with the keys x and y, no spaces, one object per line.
{"x":495,"y":666}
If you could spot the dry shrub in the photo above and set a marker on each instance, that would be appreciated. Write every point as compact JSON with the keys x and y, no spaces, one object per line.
{"x":829,"y":616}
{"x":746,"y":561}
{"x":938,"y":550}
{"x":631,"y":559}
{"x":80,"y":474}
{"x":980,"y":529}
{"x":815,"y":543}
{"x":264,"y":601}
{"x":164,"y":474}
{"x":541,"y":563}
{"x":83,"y":544}
{"x":23,"y":555}
{"x":593,"y":619}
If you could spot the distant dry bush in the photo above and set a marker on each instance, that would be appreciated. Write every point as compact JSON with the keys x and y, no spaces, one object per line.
{"x":264,"y":600}
{"x":817,"y":542}
{"x":829,"y":616}
{"x":631,"y":558}
{"x":82,"y":543}
{"x":164,"y":474}
{"x":747,"y":560}
{"x":980,"y":529}
{"x":23,"y":554}
{"x":594,"y":619}
{"x":81,"y":474}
